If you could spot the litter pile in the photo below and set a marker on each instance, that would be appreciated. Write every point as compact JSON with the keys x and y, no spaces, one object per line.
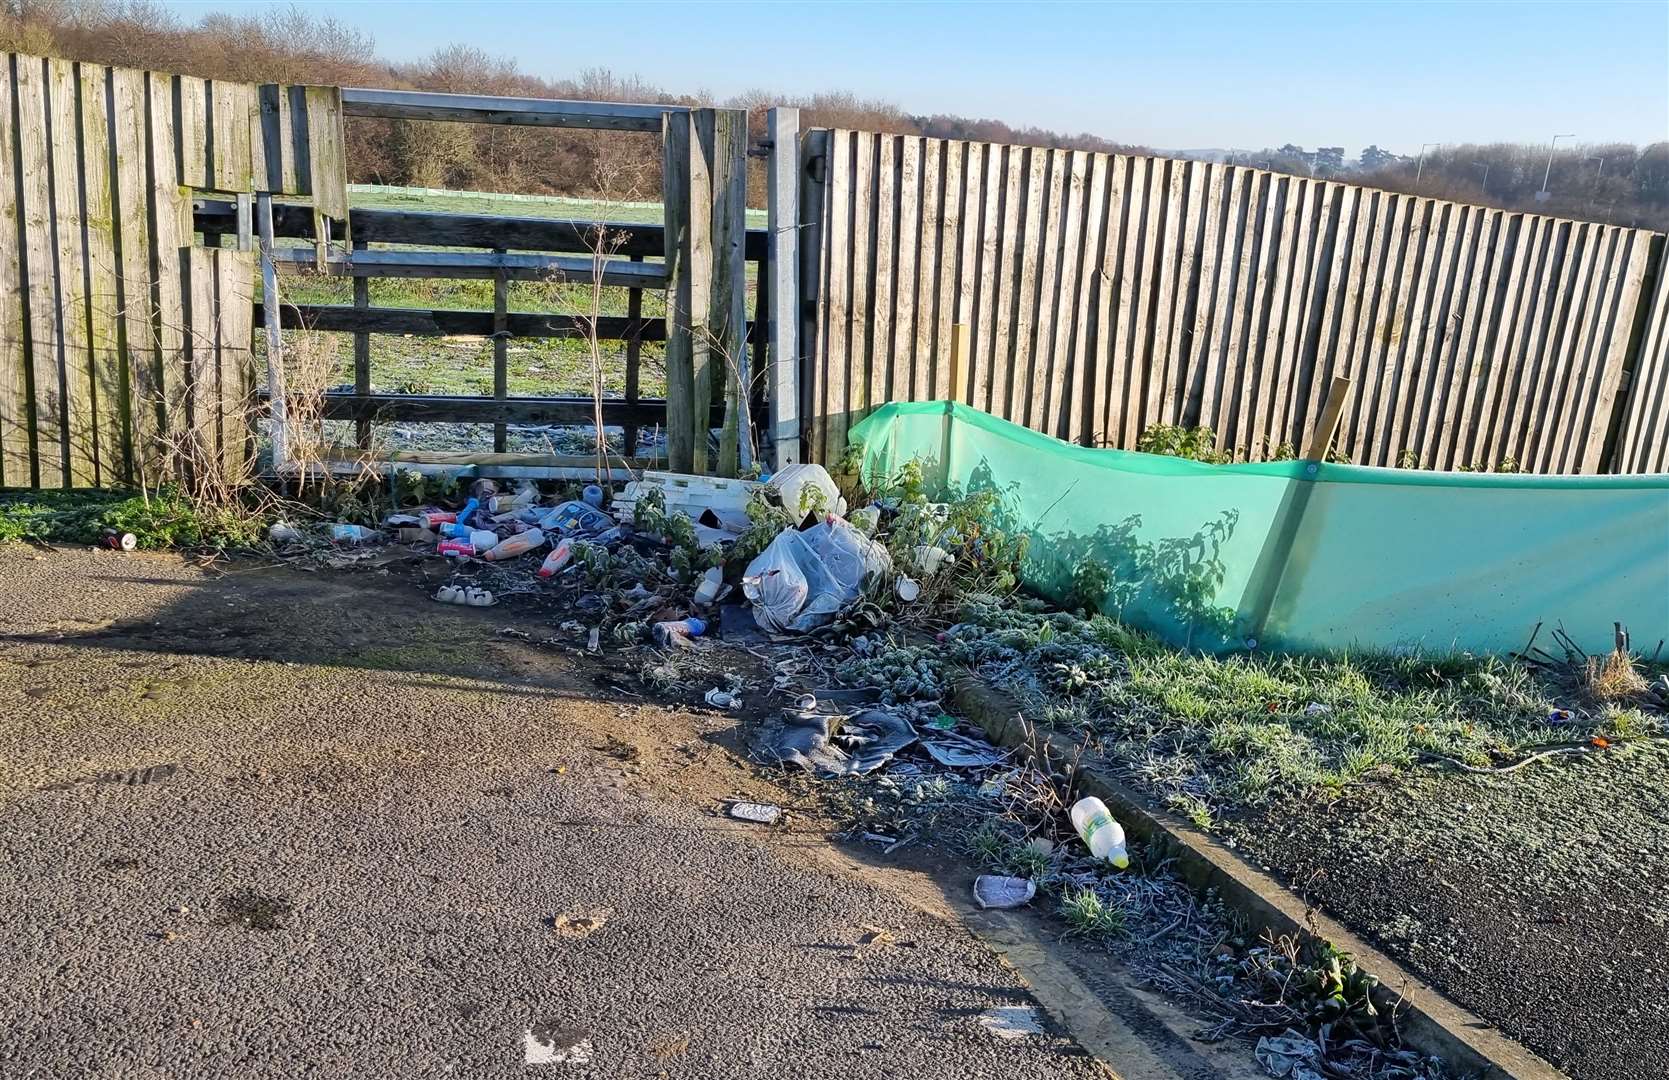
{"x":666,"y":559}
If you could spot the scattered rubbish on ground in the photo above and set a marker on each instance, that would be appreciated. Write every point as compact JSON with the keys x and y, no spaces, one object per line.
{"x":963,"y":752}
{"x":831,"y":744}
{"x":677,"y":633}
{"x":1290,"y":1056}
{"x":1100,"y":831}
{"x":547,"y":1044}
{"x":758,"y":813}
{"x":452,"y":594}
{"x":120,"y":541}
{"x":579,"y":924}
{"x":996,"y":891}
{"x":1011,"y":1021}
{"x":723,"y":699}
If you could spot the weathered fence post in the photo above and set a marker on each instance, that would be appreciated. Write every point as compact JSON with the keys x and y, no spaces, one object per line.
{"x":705,"y":194}
{"x":275,"y":340}
{"x":782,"y":177}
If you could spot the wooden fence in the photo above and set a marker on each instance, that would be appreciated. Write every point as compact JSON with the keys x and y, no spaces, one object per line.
{"x":125,"y":349}
{"x":1104,"y":294}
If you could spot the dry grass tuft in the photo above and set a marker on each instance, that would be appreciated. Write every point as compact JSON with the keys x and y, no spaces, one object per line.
{"x":1613,"y":677}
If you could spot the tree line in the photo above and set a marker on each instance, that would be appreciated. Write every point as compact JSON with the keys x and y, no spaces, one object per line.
{"x":1617,"y":183}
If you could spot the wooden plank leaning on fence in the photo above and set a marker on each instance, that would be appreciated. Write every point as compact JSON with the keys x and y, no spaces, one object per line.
{"x":1276,"y":556}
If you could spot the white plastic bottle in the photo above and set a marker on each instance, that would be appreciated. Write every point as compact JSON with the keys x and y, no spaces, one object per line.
{"x":1103,"y":834}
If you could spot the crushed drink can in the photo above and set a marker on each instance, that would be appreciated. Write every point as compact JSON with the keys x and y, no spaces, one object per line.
{"x":120,"y":541}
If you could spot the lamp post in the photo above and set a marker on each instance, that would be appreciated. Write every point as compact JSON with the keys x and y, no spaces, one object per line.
{"x":1421,"y":167}
{"x":1484,"y":165}
{"x":1599,"y":172}
{"x":1542,"y":196}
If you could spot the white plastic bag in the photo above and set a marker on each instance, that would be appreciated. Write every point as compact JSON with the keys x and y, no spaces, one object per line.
{"x":804,"y":578}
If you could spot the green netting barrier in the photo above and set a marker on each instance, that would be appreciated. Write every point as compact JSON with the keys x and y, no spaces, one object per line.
{"x":1305,"y":556}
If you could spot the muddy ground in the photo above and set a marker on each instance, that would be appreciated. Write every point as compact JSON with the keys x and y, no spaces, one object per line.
{"x":259,"y":822}
{"x":1538,"y":899}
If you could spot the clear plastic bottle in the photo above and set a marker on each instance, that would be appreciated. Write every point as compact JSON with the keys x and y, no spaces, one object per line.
{"x":519,"y":544}
{"x":561,"y":555}
{"x":1100,"y":831}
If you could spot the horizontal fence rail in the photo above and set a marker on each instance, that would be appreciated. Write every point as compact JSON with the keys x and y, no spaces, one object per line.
{"x":526,"y":112}
{"x":1104,"y":294}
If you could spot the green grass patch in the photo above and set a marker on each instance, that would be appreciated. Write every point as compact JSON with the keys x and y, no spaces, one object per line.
{"x":1205,"y":731}
{"x":165,"y":519}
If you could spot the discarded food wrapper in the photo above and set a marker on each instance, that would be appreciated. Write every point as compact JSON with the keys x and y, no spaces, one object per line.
{"x":722,"y":699}
{"x":1560,"y":716}
{"x":575,"y":518}
{"x":996,"y":891}
{"x":962,"y":752}
{"x":1316,"y":708}
{"x":282,"y":532}
{"x":758,"y":813}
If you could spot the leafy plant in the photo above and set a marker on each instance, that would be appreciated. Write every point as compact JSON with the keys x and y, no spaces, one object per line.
{"x":1088,"y":915}
{"x":1194,"y":443}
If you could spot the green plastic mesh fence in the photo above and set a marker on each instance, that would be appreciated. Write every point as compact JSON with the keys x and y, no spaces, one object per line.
{"x":1305,"y":556}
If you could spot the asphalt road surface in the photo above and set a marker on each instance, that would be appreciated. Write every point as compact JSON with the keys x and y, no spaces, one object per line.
{"x":274,"y":824}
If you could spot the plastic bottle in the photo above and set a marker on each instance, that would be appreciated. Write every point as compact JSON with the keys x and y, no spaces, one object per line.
{"x":483,"y":540}
{"x":592,"y":496}
{"x":351,"y":534}
{"x":561,"y":555}
{"x":519,"y":544}
{"x":453,"y":530}
{"x":678,"y":632}
{"x":711,"y":582}
{"x":1101,"y":833}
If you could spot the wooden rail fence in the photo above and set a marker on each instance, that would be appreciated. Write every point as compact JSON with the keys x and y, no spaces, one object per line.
{"x":1107,"y":293}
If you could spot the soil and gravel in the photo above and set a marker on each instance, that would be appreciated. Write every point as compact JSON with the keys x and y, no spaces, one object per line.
{"x":269,"y":823}
{"x":1536,"y":898}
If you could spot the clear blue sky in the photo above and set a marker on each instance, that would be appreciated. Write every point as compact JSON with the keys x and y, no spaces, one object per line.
{"x":1174,"y":76}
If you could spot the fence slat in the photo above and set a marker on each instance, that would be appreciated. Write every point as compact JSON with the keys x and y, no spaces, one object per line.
{"x":901,"y":367}
{"x":878,"y":358}
{"x":1079,"y":400}
{"x":1000,"y":392}
{"x":1423,"y":255}
{"x":1255,"y":389}
{"x":985,"y":296}
{"x":835,"y":354}
{"x":1192,"y":227}
{"x":1109,"y":358}
{"x":39,"y":259}
{"x":1054,"y":417}
{"x":1643,"y":443}
{"x":929,"y":262}
{"x":967,"y":285}
{"x":1125,"y":422}
{"x":14,"y":358}
{"x":105,"y":359}
{"x":1581,"y":426}
{"x":1048,"y":311}
{"x":234,"y":314}
{"x":949,"y":273}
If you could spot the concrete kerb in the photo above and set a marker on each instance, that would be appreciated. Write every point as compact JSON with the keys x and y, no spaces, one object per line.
{"x":1428,"y":1020}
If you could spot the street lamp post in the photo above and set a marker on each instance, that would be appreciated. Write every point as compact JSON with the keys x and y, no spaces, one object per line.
{"x":1542,"y":196}
{"x":1599,"y":172}
{"x":1421,"y":167}
{"x":1484,"y":165}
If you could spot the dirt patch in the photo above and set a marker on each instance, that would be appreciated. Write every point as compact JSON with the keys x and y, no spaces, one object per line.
{"x":1535,"y":899}
{"x":255,"y":911}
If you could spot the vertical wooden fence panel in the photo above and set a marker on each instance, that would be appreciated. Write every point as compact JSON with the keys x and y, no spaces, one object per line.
{"x":38,"y":272}
{"x":1643,"y":442}
{"x":15,"y":458}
